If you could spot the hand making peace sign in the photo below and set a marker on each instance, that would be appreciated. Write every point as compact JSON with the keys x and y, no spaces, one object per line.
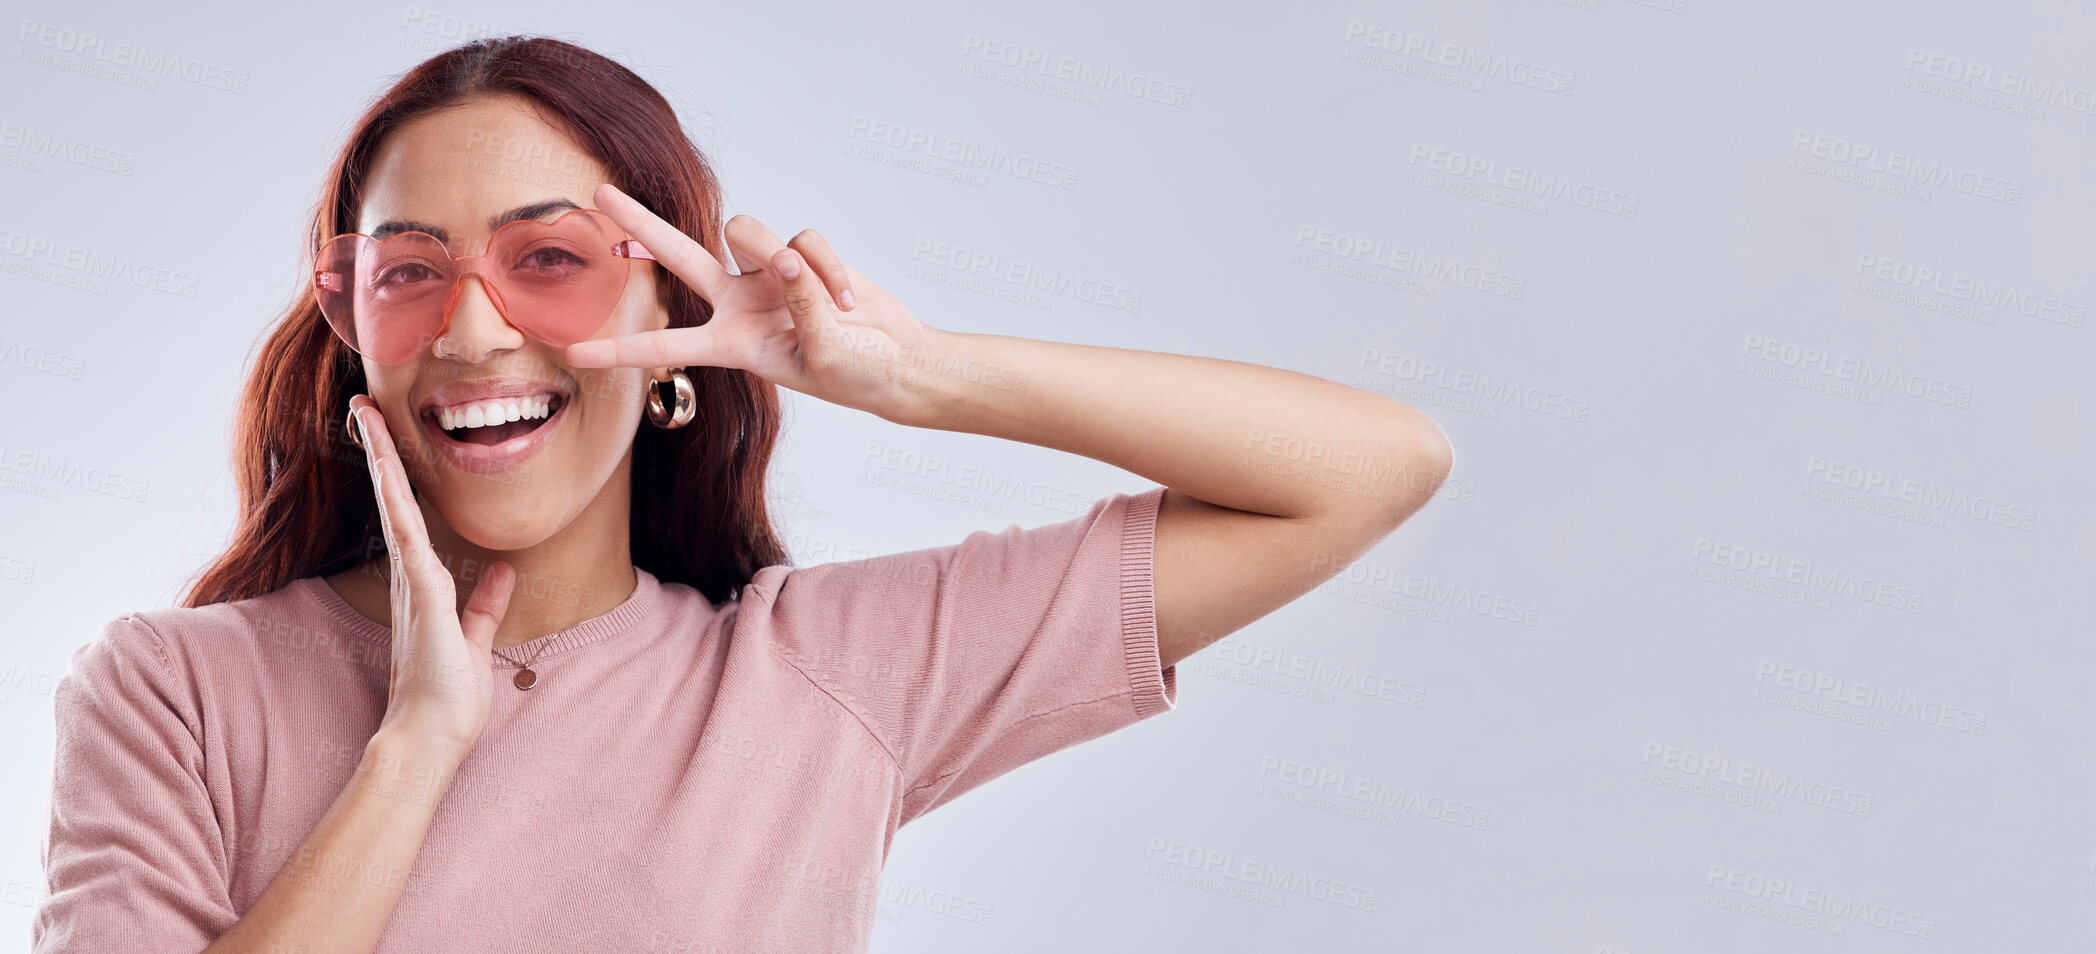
{"x":796,"y":315}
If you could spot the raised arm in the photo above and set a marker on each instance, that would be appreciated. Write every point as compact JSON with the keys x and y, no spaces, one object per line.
{"x":1275,"y":480}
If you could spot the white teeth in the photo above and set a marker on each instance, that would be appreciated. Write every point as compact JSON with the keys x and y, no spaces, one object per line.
{"x":491,"y":413}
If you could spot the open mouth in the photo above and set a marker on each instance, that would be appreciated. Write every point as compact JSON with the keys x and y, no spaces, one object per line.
{"x":494,"y":421}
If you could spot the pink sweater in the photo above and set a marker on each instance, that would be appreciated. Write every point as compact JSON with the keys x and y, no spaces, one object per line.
{"x":684,"y":778}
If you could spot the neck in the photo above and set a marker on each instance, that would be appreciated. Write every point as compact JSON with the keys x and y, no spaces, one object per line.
{"x":581,"y":572}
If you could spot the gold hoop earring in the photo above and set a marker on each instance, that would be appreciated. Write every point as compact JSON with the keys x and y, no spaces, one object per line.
{"x":687,"y":403}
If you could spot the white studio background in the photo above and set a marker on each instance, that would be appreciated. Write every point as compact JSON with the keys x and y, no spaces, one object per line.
{"x":1745,"y":623}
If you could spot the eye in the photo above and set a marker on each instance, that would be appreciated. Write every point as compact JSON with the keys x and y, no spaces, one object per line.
{"x":549,"y":258}
{"x":404,"y":273}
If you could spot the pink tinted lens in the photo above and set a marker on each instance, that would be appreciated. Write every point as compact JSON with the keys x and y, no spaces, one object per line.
{"x":386,"y":299}
{"x":558,"y":282}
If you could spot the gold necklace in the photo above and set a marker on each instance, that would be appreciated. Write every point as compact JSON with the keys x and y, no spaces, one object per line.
{"x":526,"y":678}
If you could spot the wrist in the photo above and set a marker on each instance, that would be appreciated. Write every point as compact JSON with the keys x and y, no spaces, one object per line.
{"x":931,"y":373}
{"x":408,"y":766}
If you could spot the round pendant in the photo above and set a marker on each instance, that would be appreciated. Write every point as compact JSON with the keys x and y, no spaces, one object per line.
{"x":526,"y":679}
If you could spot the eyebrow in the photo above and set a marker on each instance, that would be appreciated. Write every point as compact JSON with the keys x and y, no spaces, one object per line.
{"x":535,"y":210}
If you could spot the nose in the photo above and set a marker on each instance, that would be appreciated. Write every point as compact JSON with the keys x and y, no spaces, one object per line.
{"x":475,"y":329}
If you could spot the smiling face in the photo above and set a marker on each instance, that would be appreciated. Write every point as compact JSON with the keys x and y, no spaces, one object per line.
{"x":566,"y":432}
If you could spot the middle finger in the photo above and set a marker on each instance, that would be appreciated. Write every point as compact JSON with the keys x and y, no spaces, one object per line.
{"x":399,"y":517}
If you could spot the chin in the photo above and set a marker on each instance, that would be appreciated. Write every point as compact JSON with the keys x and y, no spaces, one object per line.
{"x":504,"y":532}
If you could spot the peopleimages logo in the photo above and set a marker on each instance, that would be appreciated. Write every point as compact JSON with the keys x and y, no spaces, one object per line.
{"x":1523,"y":180}
{"x":1997,"y":295}
{"x":41,"y":359}
{"x":961,"y":153}
{"x":1343,"y":677}
{"x":2022,"y":86}
{"x":1901,"y":166}
{"x":1024,"y":277}
{"x":1398,"y":258}
{"x":1080,"y":73}
{"x":1340,"y":783}
{"x":1757,"y":778}
{"x":1811,"y":577}
{"x":1869,"y":377}
{"x":1462,"y":58}
{"x":1492,"y":390}
{"x":1275,"y":880}
{"x":1835,"y":908}
{"x":36,"y":465}
{"x":94,"y":265}
{"x":132,"y":56}
{"x":1823,"y":685}
{"x":1920,"y":493}
{"x":50,"y":145}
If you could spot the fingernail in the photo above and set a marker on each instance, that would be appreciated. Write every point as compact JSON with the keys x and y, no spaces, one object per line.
{"x":847,"y":300}
{"x":790,"y":269}
{"x":363,"y":436}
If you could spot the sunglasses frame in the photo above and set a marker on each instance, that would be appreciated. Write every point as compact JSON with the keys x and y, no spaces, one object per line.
{"x":326,"y":281}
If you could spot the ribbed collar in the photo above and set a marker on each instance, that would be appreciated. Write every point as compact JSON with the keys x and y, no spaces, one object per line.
{"x":620,"y":620}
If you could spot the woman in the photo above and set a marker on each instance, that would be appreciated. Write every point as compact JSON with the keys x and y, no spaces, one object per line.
{"x":639,"y":729}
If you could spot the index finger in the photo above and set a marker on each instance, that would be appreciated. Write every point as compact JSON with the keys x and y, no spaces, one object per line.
{"x":678,"y":252}
{"x":662,"y":348}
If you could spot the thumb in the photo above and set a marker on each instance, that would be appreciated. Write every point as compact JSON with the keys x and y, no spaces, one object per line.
{"x":488,"y":604}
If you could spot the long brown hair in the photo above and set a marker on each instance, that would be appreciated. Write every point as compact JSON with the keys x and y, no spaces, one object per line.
{"x":699,"y":512}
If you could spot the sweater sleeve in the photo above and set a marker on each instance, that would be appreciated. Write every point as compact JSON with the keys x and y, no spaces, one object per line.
{"x":134,"y":857}
{"x":969,"y":660}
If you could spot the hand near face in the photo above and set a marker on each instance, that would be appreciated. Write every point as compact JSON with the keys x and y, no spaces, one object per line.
{"x":441,"y":689}
{"x":796,"y":315}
